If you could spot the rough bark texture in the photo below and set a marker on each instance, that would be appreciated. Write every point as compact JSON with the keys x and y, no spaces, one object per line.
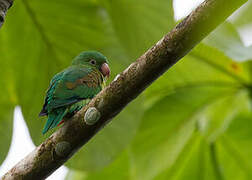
{"x":57,"y":149}
{"x":4,"y":6}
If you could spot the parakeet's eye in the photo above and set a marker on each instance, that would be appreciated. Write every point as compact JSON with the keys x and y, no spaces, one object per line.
{"x":92,"y":61}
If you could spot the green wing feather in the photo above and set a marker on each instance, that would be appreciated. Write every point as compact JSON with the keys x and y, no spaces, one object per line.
{"x":49,"y":92}
{"x":73,"y":85}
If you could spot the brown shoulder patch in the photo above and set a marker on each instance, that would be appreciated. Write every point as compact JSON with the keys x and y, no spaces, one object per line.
{"x":91,"y":80}
{"x":71,"y":85}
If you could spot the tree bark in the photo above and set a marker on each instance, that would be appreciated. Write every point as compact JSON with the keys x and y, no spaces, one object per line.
{"x":4,"y":6}
{"x":61,"y":145}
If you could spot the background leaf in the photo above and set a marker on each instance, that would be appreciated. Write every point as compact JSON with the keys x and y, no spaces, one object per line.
{"x":243,"y":16}
{"x":227,"y":39}
{"x":139,"y":24}
{"x":191,"y":101}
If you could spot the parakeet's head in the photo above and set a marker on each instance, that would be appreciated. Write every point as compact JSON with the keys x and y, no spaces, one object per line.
{"x":94,"y":59}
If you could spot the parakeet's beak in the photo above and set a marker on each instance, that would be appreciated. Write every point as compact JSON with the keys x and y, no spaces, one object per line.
{"x":105,"y":70}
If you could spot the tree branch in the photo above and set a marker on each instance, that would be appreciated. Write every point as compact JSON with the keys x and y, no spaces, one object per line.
{"x":4,"y":6}
{"x":60,"y":146}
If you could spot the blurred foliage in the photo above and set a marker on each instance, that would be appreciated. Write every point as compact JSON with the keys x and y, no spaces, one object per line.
{"x":194,"y":122}
{"x":227,"y":39}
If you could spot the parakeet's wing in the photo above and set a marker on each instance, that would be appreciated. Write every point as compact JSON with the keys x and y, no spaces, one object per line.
{"x":50,"y":91}
{"x":72,"y":85}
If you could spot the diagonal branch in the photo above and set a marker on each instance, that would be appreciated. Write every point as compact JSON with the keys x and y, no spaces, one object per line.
{"x":58,"y":148}
{"x":4,"y":6}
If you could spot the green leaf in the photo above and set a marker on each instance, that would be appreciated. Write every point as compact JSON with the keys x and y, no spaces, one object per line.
{"x":8,"y":101}
{"x":6,"y":119}
{"x":139,"y":24}
{"x":208,"y":160}
{"x":237,"y":147}
{"x":204,"y":66}
{"x":75,"y":175}
{"x":29,"y":71}
{"x":244,"y":15}
{"x":203,"y":92}
{"x":227,"y":39}
{"x":193,"y":163}
{"x":166,"y":128}
{"x":215,"y":120}
{"x":118,"y":169}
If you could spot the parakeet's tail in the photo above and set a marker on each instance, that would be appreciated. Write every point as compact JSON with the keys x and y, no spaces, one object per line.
{"x":54,"y":119}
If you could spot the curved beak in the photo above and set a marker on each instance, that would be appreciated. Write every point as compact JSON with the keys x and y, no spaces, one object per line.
{"x":105,"y":70}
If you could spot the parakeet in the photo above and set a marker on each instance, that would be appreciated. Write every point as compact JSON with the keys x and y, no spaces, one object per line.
{"x":70,"y":89}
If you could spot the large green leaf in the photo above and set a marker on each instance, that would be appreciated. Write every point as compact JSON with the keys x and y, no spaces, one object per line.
{"x":227,"y":39}
{"x":8,"y":98}
{"x":218,"y":159}
{"x":118,"y":169}
{"x":244,"y":17}
{"x":41,"y":38}
{"x":204,"y":66}
{"x":194,"y":162}
{"x":206,"y":98}
{"x":167,"y":127}
{"x":139,"y":24}
{"x":237,"y":146}
{"x":6,"y":119}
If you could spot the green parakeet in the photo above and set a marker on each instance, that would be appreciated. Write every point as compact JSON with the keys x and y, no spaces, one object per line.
{"x":70,"y":89}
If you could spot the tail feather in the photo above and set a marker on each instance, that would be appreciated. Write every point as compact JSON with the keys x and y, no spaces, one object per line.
{"x":54,"y":119}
